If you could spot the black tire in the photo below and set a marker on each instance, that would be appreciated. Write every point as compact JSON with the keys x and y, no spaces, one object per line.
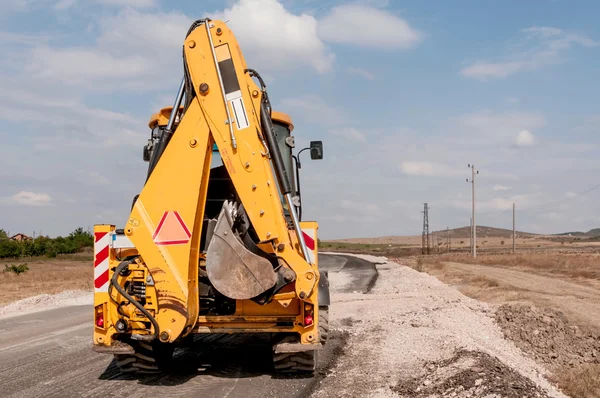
{"x":323,"y":323}
{"x":302,"y":363}
{"x":148,"y":358}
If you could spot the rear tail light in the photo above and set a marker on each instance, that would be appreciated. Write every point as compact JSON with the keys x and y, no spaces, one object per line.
{"x":308,"y":320}
{"x":308,"y":315}
{"x":100,"y":316}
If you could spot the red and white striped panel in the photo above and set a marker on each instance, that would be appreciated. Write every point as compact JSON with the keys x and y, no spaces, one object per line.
{"x":101,"y":248}
{"x":309,"y":239}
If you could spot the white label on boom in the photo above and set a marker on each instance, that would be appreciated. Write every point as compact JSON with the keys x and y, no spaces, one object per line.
{"x":239,"y":110}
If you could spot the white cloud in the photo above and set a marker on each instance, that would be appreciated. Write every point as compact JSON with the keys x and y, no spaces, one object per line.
{"x":546,"y":46}
{"x":136,"y":32}
{"x":25,"y":198}
{"x":513,"y":100}
{"x":571,"y":195}
{"x":361,"y":72}
{"x":497,"y":125}
{"x":365,"y":26}
{"x":428,"y":169}
{"x":274,"y":38}
{"x":557,"y":39}
{"x":524,"y":201}
{"x":484,"y":70}
{"x":501,"y":188}
{"x":370,"y":209}
{"x":524,"y":138}
{"x":84,"y":66}
{"x":123,"y":56}
{"x":374,"y":3}
{"x":77,"y":125}
{"x":313,"y":108}
{"x":129,"y":3}
{"x":65,"y":4}
{"x":543,"y":31}
{"x":350,"y":134}
{"x":26,"y":5}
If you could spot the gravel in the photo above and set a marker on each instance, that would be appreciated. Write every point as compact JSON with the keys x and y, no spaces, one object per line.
{"x":44,"y":302}
{"x":410,"y":321}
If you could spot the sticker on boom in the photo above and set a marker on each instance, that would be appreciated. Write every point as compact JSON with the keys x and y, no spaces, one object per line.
{"x":231,"y":85}
{"x":171,"y":230}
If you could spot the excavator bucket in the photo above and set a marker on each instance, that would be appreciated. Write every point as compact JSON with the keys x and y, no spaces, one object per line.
{"x":234,"y":270}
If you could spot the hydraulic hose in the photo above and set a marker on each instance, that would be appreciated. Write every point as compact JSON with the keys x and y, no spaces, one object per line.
{"x":114,"y":282}
{"x":280,"y":171}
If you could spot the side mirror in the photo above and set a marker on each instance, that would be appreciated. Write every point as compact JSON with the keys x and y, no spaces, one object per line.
{"x":316,"y":150}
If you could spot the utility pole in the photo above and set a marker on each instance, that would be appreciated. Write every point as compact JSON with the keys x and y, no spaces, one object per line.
{"x":425,"y":247}
{"x":514,"y":231}
{"x":447,"y":239}
{"x":474,"y":226}
{"x":471,"y":235}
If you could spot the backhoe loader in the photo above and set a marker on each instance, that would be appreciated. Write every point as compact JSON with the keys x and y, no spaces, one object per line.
{"x":214,"y":242}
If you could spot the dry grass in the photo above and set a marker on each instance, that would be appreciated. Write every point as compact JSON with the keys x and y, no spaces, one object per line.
{"x":582,"y":381}
{"x":570,"y":265}
{"x":45,"y":276}
{"x":484,"y":281}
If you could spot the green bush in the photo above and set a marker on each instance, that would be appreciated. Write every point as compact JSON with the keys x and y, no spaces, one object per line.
{"x":9,"y":249}
{"x":44,"y":246}
{"x":17,"y":269}
{"x":80,"y":238}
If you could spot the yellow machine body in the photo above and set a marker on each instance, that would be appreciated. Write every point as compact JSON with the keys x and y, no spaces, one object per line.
{"x":161,"y":238}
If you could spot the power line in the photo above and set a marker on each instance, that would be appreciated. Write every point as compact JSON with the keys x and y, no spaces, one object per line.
{"x":554,"y":204}
{"x":548,"y":205}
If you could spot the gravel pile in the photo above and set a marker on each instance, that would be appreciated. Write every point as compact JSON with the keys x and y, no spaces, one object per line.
{"x":45,"y":302}
{"x":547,"y":336}
{"x":469,"y":374}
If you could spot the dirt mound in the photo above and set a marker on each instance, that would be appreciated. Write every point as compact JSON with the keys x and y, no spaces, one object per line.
{"x":547,"y":336}
{"x":469,"y":374}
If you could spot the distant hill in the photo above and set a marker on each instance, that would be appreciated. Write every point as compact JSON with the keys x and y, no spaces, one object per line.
{"x":462,"y":233}
{"x":591,"y":233}
{"x":483,"y":232}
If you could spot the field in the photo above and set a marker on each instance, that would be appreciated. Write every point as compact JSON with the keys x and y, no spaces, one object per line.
{"x":74,"y":272}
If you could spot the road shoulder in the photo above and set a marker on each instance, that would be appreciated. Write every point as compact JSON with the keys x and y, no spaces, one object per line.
{"x":412,"y":335}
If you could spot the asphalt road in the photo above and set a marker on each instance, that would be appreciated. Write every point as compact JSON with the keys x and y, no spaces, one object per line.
{"x":48,"y":354}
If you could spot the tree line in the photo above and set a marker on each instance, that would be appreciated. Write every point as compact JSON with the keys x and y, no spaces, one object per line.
{"x":45,"y":246}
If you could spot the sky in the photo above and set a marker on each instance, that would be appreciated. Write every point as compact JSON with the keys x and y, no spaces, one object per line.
{"x":403,"y":94}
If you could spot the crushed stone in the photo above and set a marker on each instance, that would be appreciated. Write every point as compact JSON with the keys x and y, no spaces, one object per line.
{"x":44,"y":302}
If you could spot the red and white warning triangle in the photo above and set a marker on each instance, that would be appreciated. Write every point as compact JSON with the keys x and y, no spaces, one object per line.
{"x":171,"y":230}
